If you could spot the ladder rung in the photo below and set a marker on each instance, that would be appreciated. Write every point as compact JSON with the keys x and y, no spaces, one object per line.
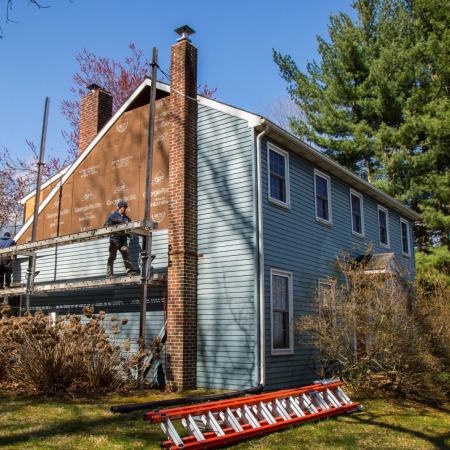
{"x":250,"y":418}
{"x":265,"y":413}
{"x":213,"y":424}
{"x":308,"y":404}
{"x":332,"y":399}
{"x":171,"y":432}
{"x":231,"y":421}
{"x":295,"y":407}
{"x":343,"y":395}
{"x":279,"y":408}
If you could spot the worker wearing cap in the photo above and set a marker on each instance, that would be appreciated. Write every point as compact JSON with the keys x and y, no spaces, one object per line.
{"x":118,"y":241}
{"x":6,"y":261}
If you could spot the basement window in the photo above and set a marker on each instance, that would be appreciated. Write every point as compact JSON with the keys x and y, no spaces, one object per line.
{"x":278,"y":175}
{"x":383,"y":226}
{"x":356,"y":205}
{"x":322,"y":195}
{"x":281,"y":302}
{"x":404,"y":230}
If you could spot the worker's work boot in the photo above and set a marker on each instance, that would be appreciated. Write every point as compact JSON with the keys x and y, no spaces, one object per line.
{"x":133,"y":272}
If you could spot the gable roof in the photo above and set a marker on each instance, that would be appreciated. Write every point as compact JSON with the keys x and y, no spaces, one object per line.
{"x":256,"y":121}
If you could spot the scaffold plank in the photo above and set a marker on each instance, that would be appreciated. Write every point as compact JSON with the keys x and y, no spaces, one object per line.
{"x":40,"y":288}
{"x":138,"y":227}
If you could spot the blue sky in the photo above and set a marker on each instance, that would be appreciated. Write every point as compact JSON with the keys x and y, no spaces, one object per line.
{"x":234,"y":38}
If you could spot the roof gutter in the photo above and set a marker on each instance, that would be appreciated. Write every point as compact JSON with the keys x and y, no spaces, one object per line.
{"x":316,"y":157}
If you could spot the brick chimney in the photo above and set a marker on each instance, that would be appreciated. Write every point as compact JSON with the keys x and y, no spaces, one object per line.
{"x":182,"y":272}
{"x":95,"y":111}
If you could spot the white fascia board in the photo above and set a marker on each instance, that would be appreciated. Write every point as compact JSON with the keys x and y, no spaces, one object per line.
{"x":336,"y":169}
{"x":86,"y":152}
{"x":252,"y":119}
{"x":44,"y":185}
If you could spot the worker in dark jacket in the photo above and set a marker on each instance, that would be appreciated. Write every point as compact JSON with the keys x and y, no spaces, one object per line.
{"x":118,"y":241}
{"x":6,"y":261}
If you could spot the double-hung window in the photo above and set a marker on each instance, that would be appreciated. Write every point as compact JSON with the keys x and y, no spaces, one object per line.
{"x":404,"y":231}
{"x":278,"y":171}
{"x":322,"y":193}
{"x":281,"y":312}
{"x":383,"y":226}
{"x":357,"y":208}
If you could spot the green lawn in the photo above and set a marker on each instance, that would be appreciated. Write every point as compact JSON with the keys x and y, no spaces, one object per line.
{"x":35,"y":423}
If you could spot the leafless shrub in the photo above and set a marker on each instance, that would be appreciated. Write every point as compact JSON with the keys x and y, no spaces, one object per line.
{"x":70,"y":354}
{"x":433,"y":311}
{"x":367,"y":333}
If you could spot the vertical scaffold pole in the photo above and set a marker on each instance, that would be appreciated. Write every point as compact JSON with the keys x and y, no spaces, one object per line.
{"x":40,"y":166}
{"x":147,"y":244}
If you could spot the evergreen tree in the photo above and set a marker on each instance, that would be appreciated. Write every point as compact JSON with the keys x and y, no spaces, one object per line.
{"x":378,"y":102}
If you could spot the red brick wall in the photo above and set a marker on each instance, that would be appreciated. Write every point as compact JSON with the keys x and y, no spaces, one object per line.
{"x":182,"y":289}
{"x":95,"y":111}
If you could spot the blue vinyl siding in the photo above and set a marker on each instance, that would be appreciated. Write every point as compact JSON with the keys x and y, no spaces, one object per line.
{"x":227,"y":355}
{"x":88,"y":259}
{"x":294,"y":241}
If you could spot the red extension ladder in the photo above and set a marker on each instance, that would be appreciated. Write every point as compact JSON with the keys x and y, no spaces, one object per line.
{"x":215,"y":424}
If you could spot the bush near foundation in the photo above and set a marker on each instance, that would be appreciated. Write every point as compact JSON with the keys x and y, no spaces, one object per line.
{"x":70,"y":354}
{"x":371,"y":332}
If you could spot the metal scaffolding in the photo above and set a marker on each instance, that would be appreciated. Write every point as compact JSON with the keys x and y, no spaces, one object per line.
{"x":139,"y":228}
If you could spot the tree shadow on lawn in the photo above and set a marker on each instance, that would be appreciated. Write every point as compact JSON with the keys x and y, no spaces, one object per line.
{"x":117,"y":428}
{"x":367,"y":418}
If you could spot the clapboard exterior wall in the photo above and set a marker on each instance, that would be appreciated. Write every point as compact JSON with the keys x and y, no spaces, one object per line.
{"x":295,"y":242}
{"x":227,"y":346}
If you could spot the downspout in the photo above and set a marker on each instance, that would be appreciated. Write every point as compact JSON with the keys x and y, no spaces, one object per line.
{"x":261,"y":315}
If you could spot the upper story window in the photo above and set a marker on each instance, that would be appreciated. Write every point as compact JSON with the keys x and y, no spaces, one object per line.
{"x":281,"y":312}
{"x":404,"y":231}
{"x":278,"y":171}
{"x":322,"y":193}
{"x":357,"y":208}
{"x":383,"y":225}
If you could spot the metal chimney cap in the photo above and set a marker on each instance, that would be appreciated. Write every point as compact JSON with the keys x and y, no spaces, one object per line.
{"x":93,"y":87}
{"x":185,"y":31}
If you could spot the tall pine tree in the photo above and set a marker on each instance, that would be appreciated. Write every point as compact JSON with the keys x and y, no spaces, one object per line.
{"x":378,"y":101}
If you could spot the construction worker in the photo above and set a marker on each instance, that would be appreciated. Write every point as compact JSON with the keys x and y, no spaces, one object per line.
{"x":118,"y":241}
{"x":6,"y":261}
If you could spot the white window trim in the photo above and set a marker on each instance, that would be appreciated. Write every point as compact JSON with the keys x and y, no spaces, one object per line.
{"x":408,"y":236}
{"x":290,"y":350}
{"x":360,"y":196}
{"x":278,"y":150}
{"x":385,"y":210}
{"x":330,"y":209}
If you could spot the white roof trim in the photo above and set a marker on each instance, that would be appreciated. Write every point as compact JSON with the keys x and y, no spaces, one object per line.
{"x":252,"y":119}
{"x":49,"y":181}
